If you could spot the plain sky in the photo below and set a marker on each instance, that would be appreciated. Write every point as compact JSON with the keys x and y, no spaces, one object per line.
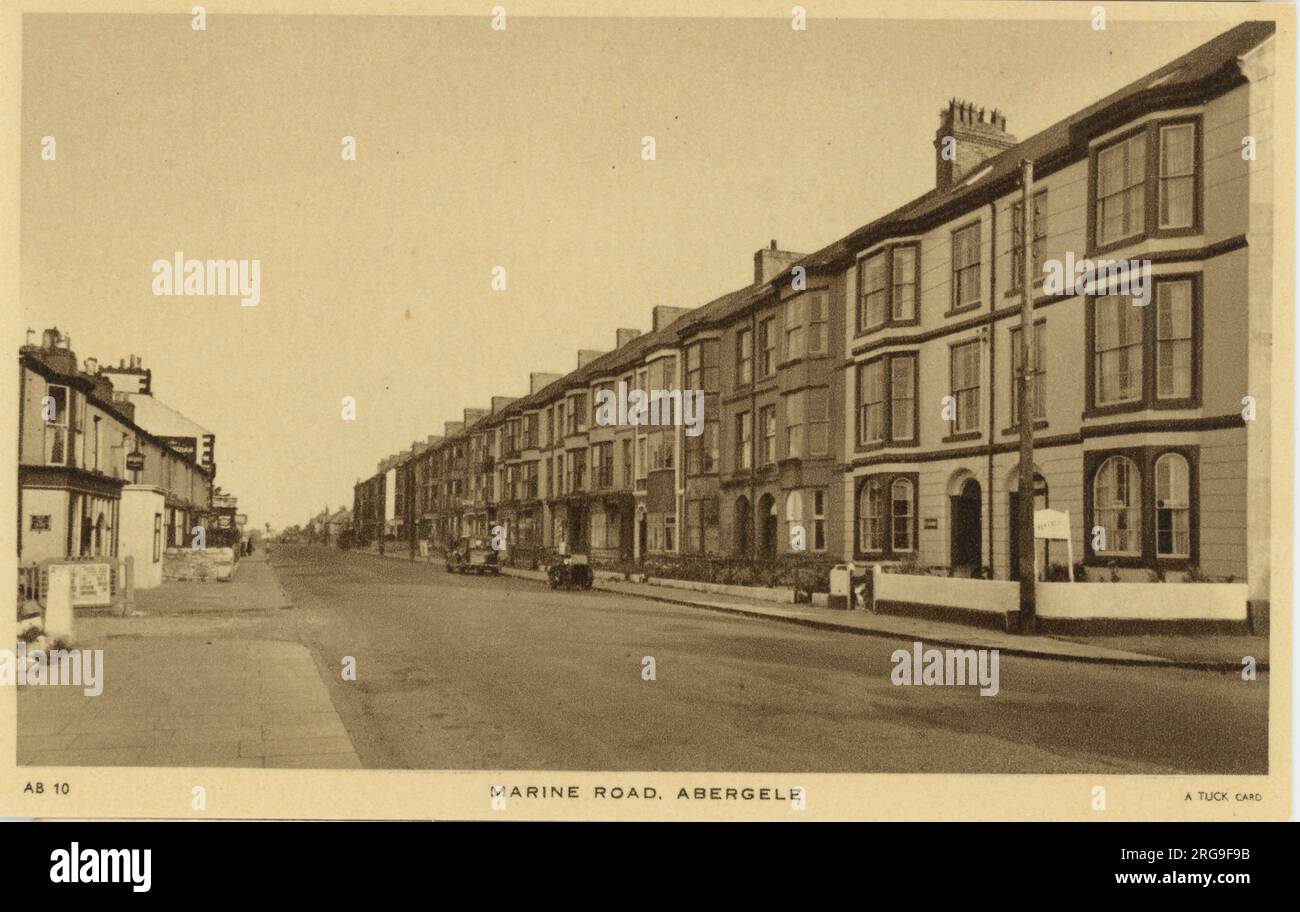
{"x":475,"y":148}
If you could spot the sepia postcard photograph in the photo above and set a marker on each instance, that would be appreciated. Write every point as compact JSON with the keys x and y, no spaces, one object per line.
{"x":663,"y":411}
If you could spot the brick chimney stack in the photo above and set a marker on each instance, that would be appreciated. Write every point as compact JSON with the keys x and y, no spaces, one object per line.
{"x":539,"y":380}
{"x":966,"y":137}
{"x":771,"y":261}
{"x":661,"y":315}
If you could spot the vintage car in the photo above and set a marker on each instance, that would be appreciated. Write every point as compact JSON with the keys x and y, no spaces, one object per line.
{"x":472,"y":555}
{"x":569,"y":571}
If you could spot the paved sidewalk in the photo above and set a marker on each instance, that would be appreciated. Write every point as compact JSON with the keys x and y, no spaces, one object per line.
{"x":252,"y":587}
{"x":179,"y":691}
{"x":1224,"y":650}
{"x":1210,"y":652}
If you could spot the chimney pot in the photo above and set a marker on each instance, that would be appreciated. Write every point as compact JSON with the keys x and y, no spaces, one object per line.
{"x":976,"y":133}
{"x":770,"y":262}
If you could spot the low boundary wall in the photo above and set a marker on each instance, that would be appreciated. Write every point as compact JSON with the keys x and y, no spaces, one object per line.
{"x":1164,"y":607}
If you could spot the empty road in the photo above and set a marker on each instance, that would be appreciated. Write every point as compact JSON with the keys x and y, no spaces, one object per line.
{"x":460,"y":672}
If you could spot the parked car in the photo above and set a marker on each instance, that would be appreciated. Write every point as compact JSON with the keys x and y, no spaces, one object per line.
{"x":569,"y":571}
{"x":472,"y":555}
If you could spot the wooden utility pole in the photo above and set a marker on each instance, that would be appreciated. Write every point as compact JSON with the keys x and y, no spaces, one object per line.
{"x":1025,"y":500}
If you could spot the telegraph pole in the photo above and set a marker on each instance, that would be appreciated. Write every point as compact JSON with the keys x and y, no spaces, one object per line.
{"x":1025,"y":500}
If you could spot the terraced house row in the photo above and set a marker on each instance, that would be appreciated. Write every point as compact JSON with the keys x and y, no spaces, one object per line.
{"x":105,"y":469}
{"x":866,"y":392}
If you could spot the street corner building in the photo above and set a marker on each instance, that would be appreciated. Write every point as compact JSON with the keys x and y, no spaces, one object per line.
{"x":107,"y":472}
{"x":861,"y":401}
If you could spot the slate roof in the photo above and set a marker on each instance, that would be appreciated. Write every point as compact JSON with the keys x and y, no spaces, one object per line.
{"x":1210,"y":66}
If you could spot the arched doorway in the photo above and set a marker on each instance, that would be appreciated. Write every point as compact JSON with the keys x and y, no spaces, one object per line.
{"x":743,"y":526}
{"x":1013,"y":530}
{"x":967,"y":544}
{"x":767,"y":526}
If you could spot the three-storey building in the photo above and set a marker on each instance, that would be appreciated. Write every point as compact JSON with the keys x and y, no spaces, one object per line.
{"x":862,"y":401}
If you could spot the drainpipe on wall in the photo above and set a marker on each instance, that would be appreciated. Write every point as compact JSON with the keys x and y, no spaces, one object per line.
{"x":22,"y":401}
{"x":753,"y":431}
{"x":1025,"y":517}
{"x":993,"y":363}
{"x":679,"y":454}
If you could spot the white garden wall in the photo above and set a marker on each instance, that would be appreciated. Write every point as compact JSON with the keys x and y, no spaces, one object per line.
{"x":1143,"y":601}
{"x":1071,"y":601}
{"x":992,"y":596}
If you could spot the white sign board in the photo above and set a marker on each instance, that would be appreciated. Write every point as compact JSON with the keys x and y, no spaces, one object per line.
{"x":91,"y":585}
{"x":1052,"y":524}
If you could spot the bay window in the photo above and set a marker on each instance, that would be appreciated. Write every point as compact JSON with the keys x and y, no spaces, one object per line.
{"x":1146,"y":184}
{"x":888,"y":287}
{"x":1118,"y":349}
{"x":886,"y":515}
{"x":1177,"y":175}
{"x":1140,"y":504}
{"x":1117,"y":507}
{"x":886,"y":394}
{"x":1145,"y":356}
{"x":1174,"y":340}
{"x":1172,"y":506}
{"x":871,"y":402}
{"x":794,"y":425}
{"x":1121,"y":189}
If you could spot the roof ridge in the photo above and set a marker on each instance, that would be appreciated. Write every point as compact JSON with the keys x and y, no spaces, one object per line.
{"x":1226,"y":45}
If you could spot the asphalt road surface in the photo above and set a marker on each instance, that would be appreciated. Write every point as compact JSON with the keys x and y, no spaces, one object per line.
{"x":461,"y":672}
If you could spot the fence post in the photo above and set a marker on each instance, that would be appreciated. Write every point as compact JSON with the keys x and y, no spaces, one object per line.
{"x":58,"y":617}
{"x":128,"y":589}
